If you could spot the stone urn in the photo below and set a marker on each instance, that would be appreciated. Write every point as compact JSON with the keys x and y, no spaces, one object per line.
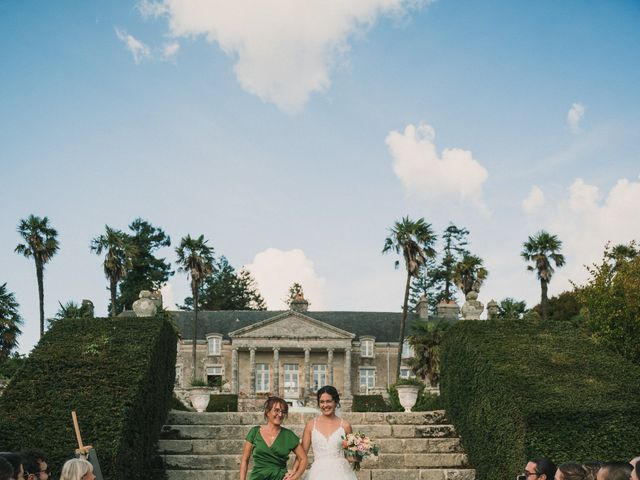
{"x":199,"y":398}
{"x":408,"y":395}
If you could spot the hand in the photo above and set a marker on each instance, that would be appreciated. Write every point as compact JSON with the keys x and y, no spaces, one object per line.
{"x":353,"y":459}
{"x":289,"y":476}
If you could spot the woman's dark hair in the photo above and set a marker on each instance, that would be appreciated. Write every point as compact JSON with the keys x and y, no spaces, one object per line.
{"x":544,"y":466}
{"x":272,"y":401}
{"x":328,"y":389}
{"x":592,"y":468}
{"x":573,"y":471}
{"x":14,"y":459}
{"x":6,"y":470}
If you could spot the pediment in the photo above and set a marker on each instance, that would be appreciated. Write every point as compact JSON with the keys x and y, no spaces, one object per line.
{"x":292,"y":325}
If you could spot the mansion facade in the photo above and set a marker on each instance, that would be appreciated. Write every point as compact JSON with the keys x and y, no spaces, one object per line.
{"x":292,"y":353}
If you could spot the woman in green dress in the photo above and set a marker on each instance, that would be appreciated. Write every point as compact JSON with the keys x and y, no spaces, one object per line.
{"x":271,"y":445}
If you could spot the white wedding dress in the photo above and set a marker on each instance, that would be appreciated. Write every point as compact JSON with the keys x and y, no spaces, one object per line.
{"x":328,"y":459}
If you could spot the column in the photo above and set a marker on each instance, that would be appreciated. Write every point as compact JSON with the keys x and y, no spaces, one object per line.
{"x":330,"y":365}
{"x":276,"y":371}
{"x":252,"y":371}
{"x":235,"y":388}
{"x":307,"y":371}
{"x":347,"y":372}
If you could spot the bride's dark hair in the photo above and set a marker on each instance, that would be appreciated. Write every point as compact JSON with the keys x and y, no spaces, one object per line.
{"x":328,"y":389}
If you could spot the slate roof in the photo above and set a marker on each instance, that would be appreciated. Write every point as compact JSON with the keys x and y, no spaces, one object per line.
{"x":384,"y":326}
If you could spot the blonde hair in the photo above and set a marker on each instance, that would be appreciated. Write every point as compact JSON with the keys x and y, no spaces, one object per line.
{"x":75,"y":469}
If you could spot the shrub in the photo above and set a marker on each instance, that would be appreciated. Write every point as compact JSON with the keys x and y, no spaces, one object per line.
{"x":517,"y":390}
{"x":223,"y":403}
{"x":426,"y":401}
{"x":117,"y":374}
{"x":176,"y":404}
{"x":369,"y":403}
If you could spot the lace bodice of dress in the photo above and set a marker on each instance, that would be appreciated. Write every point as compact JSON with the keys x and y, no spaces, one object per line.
{"x":327,"y":447}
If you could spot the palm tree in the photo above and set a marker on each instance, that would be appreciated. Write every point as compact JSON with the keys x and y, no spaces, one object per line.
{"x":469,"y":273}
{"x":41,"y":243}
{"x":118,"y":251}
{"x":425,"y":340}
{"x":414,"y":240}
{"x":10,"y":322}
{"x":510,"y":308}
{"x":195,"y":258}
{"x":541,"y":249}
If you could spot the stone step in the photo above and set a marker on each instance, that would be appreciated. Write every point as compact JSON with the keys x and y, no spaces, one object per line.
{"x":177,"y":417}
{"x":388,"y":445}
{"x":234,"y":432}
{"x":364,"y":474}
{"x":383,"y":461}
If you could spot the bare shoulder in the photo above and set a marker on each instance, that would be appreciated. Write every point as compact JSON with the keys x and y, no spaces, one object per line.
{"x":346,"y":424}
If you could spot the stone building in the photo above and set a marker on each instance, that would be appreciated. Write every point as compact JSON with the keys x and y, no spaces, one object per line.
{"x":292,"y":353}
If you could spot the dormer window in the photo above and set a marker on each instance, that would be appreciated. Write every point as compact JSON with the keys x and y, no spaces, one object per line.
{"x":214,"y":344}
{"x":366,"y":347}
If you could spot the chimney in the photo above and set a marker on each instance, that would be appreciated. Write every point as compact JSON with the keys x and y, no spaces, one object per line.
{"x":422,"y":307}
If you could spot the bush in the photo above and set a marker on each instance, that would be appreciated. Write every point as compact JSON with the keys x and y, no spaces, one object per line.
{"x":176,"y":404}
{"x":117,"y":374}
{"x":223,"y":403}
{"x":517,"y":390}
{"x":369,"y":403}
{"x":426,"y":401}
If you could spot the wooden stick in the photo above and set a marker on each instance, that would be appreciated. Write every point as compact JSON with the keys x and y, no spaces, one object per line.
{"x":77,"y":429}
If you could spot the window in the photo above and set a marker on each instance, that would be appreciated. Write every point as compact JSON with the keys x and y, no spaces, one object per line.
{"x":214,"y":345}
{"x":179,"y":375}
{"x":214,"y":376}
{"x":366,"y":347}
{"x":319,"y":377}
{"x":407,"y":350}
{"x":262,"y":377}
{"x":406,"y":372}
{"x":367,"y":378}
{"x":291,"y":379}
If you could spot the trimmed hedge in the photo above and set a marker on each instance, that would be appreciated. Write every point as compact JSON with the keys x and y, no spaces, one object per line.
{"x":118,"y":375}
{"x":369,"y":403}
{"x":223,"y":403}
{"x":517,"y":390}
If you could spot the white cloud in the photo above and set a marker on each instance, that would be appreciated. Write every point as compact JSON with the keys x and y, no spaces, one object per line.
{"x":422,"y":171}
{"x":276,"y":270}
{"x":574,"y":116}
{"x":139,"y":50}
{"x":284,"y":49}
{"x":167,"y":297}
{"x":534,"y":200}
{"x":170,"y":50}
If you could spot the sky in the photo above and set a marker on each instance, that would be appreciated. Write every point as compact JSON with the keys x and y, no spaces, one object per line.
{"x":293,"y":134}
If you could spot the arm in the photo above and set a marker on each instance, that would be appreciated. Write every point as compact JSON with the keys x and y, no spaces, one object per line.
{"x":244,"y":462}
{"x":306,"y":443}
{"x":347,"y":430}
{"x":299,"y":466}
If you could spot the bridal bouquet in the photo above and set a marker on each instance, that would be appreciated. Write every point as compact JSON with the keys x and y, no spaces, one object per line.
{"x":358,"y":446}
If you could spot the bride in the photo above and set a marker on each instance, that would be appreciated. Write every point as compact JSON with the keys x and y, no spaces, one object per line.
{"x":325,"y":433}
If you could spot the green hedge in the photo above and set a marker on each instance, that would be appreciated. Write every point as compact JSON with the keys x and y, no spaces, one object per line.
{"x":517,"y":390}
{"x":117,"y":374}
{"x":223,"y":403}
{"x":369,"y":403}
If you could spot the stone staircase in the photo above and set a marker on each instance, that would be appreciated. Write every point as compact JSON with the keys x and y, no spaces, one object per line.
{"x":413,"y":446}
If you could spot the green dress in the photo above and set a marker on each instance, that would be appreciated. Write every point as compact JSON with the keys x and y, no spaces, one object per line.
{"x":270,"y":463}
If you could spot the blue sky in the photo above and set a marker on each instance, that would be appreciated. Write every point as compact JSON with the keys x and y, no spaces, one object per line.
{"x":292,"y":136}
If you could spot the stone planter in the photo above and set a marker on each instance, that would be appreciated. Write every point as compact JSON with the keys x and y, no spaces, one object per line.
{"x":408,"y":395}
{"x":199,"y":398}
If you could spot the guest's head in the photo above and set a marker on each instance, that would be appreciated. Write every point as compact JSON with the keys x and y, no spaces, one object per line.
{"x":35,"y":465}
{"x":77,"y":469}
{"x":571,"y":471}
{"x":16,"y":463}
{"x":275,"y":410}
{"x":6,"y":470}
{"x":542,"y":468}
{"x":635,"y":475}
{"x":615,"y":471}
{"x":592,"y":468}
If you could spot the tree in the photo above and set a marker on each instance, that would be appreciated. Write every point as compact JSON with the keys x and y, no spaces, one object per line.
{"x":146,"y":272}
{"x":425,"y":284}
{"x":118,"y":251}
{"x":511,"y":309}
{"x":425,"y":339}
{"x":469,"y":273}
{"x":562,"y":307}
{"x":413,"y":240}
{"x":611,"y":304}
{"x":226,"y":289}
{"x":454,"y":242}
{"x":195,"y":258}
{"x":10,"y":322}
{"x":41,"y":244}
{"x":73,"y":310}
{"x":542,"y":249}
{"x":295,"y":291}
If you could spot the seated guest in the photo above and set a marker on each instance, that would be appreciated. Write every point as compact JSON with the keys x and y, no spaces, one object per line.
{"x":542,"y":468}
{"x":77,"y":469}
{"x":615,"y":471}
{"x":571,"y":471}
{"x":16,"y":463}
{"x":592,"y":469}
{"x":6,"y":470}
{"x":35,"y":465}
